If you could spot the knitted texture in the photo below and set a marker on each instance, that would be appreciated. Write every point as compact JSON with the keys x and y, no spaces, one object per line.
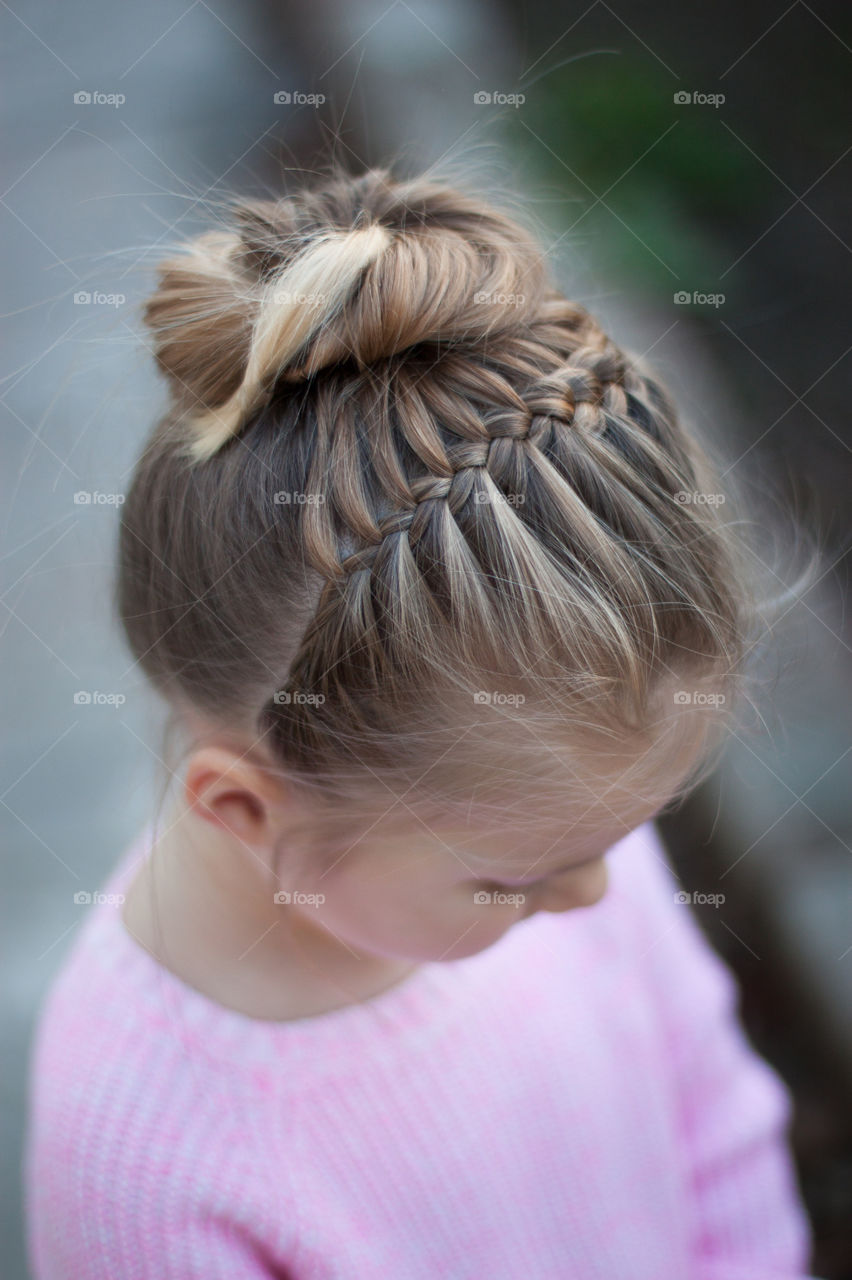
{"x":577,"y":1101}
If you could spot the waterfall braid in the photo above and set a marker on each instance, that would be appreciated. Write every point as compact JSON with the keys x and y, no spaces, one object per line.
{"x":399,"y":468}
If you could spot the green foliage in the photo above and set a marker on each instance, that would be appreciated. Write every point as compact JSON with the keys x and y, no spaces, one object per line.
{"x":672,"y":176}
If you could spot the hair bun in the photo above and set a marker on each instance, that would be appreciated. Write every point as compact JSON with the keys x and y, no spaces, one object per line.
{"x":356,"y":271}
{"x":200,"y":318}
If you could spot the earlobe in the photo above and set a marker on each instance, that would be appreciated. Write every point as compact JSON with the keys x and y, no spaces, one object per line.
{"x":228,"y":792}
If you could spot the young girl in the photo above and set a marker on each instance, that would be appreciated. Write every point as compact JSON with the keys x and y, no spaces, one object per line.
{"x":402,"y":985}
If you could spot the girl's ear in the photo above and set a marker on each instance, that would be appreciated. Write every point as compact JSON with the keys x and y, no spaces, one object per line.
{"x":234,"y":794}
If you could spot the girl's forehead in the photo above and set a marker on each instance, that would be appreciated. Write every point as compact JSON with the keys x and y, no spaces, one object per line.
{"x":513,"y":852}
{"x":551,"y":804}
{"x":547,"y":843}
{"x":484,"y":833}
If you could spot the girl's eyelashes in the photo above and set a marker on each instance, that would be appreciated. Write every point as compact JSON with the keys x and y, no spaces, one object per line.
{"x":508,"y":885}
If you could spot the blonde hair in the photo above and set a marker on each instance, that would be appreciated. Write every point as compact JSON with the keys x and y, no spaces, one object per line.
{"x":399,"y":469}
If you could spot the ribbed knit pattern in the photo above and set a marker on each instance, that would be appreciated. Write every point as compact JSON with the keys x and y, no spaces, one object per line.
{"x":577,"y":1101}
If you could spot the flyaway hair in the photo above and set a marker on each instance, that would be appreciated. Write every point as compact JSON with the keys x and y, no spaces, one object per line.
{"x":398,"y":467}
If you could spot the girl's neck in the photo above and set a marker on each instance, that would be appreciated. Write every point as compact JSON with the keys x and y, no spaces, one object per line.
{"x":206,"y":912}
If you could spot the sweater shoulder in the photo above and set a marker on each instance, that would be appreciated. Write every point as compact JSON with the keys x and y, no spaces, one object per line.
{"x":135,"y":1141}
{"x":111,"y":1058}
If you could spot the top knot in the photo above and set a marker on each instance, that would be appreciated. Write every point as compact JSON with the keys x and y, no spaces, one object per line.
{"x":293,"y":306}
{"x":358,"y":271}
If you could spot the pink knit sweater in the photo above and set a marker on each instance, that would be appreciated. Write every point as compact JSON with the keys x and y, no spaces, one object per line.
{"x":577,"y":1101}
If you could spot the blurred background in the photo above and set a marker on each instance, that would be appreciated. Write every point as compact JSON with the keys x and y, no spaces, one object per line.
{"x":691,"y":167}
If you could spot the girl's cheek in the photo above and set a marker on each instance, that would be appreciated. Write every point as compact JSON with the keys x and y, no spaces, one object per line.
{"x":494,"y":912}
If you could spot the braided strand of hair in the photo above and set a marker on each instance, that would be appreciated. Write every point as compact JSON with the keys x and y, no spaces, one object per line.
{"x":477,"y":479}
{"x":437,"y":538}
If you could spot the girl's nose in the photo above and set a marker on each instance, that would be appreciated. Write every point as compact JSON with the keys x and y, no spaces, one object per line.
{"x":555,"y":895}
{"x":556,"y":898}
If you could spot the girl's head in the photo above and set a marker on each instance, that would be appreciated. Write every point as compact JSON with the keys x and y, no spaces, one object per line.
{"x":421,"y":557}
